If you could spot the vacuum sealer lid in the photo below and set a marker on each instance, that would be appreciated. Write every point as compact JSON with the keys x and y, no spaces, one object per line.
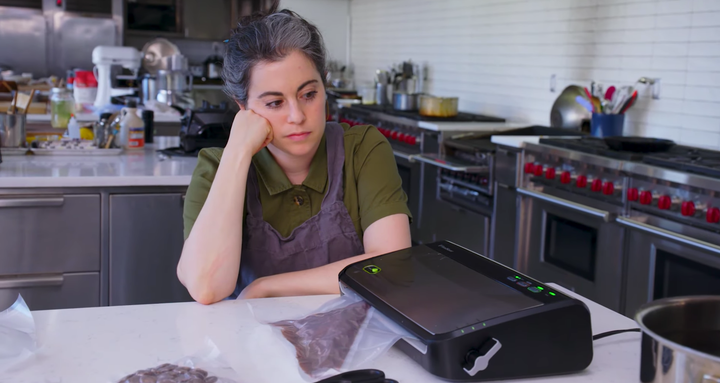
{"x":442,"y":287}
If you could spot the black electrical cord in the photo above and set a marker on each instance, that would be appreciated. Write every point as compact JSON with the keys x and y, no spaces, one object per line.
{"x":614,"y":332}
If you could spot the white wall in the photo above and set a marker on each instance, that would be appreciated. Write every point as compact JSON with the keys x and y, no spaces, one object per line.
{"x":331,"y":18}
{"x":498,"y":55}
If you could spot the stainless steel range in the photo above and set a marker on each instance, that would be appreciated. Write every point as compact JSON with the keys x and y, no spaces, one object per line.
{"x":410,"y":137}
{"x":622,"y":228}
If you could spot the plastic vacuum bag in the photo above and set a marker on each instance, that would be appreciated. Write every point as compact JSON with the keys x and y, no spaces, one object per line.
{"x":17,"y":334}
{"x":205,"y":366}
{"x":339,"y":336}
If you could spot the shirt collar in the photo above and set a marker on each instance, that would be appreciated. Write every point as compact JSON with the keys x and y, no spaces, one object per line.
{"x":275,"y":180}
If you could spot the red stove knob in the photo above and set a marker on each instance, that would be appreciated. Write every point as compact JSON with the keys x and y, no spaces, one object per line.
{"x":646,"y":197}
{"x":565,"y":177}
{"x":581,"y":181}
{"x":394,"y":135}
{"x":401,"y":137}
{"x":538,"y":170}
{"x":529,"y":168}
{"x":632,"y":194}
{"x":550,"y":173}
{"x":687,"y":208}
{"x":713,"y":215}
{"x":411,"y":140}
{"x":608,"y":188}
{"x":664,"y":202}
{"x":596,"y":185}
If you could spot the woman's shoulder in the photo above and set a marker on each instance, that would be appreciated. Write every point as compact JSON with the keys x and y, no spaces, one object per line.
{"x":362,"y":136}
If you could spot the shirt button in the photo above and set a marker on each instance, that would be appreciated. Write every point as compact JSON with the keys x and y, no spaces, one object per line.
{"x":298,"y":200}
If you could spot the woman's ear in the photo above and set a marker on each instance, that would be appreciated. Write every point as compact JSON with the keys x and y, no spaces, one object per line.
{"x":239,"y":105}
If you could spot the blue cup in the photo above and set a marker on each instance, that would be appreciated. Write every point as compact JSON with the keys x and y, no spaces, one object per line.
{"x":607,"y":125}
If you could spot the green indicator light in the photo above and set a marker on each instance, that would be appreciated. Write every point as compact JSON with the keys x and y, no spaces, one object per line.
{"x":483,"y":324}
{"x":462,"y":331}
{"x":552,"y":293}
{"x":541,"y":288}
{"x":517,"y":277}
{"x":472,"y":328}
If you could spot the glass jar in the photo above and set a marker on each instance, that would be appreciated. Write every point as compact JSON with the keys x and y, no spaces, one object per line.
{"x":62,"y":106}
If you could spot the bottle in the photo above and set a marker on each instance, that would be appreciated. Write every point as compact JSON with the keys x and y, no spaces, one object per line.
{"x":62,"y":106}
{"x":132,"y":128}
{"x":73,"y":128}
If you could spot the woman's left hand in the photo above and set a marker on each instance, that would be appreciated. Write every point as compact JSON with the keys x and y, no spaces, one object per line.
{"x":256,"y":289}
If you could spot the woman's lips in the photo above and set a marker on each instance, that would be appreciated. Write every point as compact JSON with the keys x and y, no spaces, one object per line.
{"x":298,"y":136}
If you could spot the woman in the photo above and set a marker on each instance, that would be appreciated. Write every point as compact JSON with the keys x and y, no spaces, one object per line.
{"x":291,"y":200}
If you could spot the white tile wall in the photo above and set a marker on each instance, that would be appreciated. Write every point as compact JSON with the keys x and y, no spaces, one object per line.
{"x":498,"y":55}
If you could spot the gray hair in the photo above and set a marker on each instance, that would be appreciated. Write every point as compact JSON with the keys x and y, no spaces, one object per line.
{"x":268,"y":37}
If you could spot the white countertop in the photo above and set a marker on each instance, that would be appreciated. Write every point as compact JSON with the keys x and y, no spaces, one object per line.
{"x":520,"y":141}
{"x":97,"y":344}
{"x":131,"y":168}
{"x":90,"y":117}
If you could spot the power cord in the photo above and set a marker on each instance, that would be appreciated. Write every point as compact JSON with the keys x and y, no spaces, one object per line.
{"x":614,"y":332}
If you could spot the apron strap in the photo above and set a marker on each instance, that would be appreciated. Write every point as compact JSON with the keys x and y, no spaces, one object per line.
{"x":252,"y":193}
{"x":335,"y":143}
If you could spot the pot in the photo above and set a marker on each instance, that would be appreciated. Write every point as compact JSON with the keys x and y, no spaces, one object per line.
{"x":12,"y":130}
{"x":639,"y":144}
{"x":681,"y":340}
{"x":405,"y":101}
{"x":432,"y":106}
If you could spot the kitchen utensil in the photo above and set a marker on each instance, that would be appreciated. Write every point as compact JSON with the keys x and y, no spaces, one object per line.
{"x":12,"y":130}
{"x":630,"y":101}
{"x":381,"y":94}
{"x":566,"y":112}
{"x":23,"y":101}
{"x":588,"y":94}
{"x":681,"y":340}
{"x":153,"y":53}
{"x":638,"y":144}
{"x":405,"y":101}
{"x":148,"y":87}
{"x":14,"y":103}
{"x":584,"y":102}
{"x":610,"y":92}
{"x":607,"y":125}
{"x":432,"y":106}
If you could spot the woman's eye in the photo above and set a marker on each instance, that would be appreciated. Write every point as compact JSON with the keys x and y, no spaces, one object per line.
{"x":274,"y":104}
{"x":310,"y":95}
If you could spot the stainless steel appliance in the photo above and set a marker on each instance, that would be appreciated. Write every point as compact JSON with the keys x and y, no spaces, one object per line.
{"x":420,"y":180}
{"x":567,"y":230}
{"x":628,"y":227}
{"x":673,"y":226}
{"x":156,"y":17}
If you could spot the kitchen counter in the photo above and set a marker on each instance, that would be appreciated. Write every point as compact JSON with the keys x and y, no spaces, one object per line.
{"x":99,"y":344}
{"x":131,"y":168}
{"x":470,"y":126}
{"x":90,"y":117}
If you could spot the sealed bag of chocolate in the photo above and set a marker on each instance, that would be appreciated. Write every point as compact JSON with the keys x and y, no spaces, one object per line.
{"x":339,"y":336}
{"x":205,"y":366}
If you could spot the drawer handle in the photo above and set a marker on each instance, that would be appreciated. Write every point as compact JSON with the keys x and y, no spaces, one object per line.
{"x":19,"y":281}
{"x":32,"y":202}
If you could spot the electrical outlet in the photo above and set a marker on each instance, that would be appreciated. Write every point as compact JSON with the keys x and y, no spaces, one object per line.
{"x":656,"y":89}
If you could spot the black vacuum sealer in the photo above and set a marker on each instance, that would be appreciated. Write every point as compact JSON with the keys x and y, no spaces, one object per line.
{"x":478,"y":320}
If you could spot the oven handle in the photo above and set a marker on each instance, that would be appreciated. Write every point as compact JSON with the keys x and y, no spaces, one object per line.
{"x":602,"y":214}
{"x":649,"y":229}
{"x":445,"y":165}
{"x":404,"y":156}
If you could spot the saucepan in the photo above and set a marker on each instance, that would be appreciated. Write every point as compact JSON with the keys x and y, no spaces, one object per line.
{"x":432,"y":106}
{"x":405,"y":101}
{"x":681,"y":340}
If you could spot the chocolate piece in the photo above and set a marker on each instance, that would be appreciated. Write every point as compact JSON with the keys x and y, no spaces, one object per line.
{"x":211,"y":379}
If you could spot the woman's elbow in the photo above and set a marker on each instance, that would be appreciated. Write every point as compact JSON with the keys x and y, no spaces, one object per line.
{"x":199,"y":289}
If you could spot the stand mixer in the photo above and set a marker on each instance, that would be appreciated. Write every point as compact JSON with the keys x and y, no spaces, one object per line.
{"x":104,"y":57}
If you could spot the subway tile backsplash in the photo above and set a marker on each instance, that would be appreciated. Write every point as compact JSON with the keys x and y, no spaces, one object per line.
{"x":498,"y":55}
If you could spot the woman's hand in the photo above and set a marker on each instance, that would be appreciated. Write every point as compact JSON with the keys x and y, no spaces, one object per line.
{"x":250,"y":132}
{"x":256,"y":289}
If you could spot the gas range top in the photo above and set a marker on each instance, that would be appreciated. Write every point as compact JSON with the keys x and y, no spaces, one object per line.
{"x":684,"y":158}
{"x":461,"y":117}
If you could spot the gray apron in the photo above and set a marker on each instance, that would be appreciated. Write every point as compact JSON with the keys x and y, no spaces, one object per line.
{"x":326,"y":237}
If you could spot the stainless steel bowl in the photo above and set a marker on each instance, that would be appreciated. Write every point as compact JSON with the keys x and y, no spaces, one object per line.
{"x":566,"y":112}
{"x":12,"y":130}
{"x":681,"y":340}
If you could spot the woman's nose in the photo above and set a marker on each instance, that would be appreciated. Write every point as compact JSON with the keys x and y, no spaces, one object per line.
{"x":296,"y":116}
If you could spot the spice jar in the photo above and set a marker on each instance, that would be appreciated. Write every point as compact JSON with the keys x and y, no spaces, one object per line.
{"x":62,"y":106}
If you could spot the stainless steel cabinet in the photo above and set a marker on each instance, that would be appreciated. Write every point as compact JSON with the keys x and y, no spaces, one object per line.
{"x":146,"y":239}
{"x":49,"y":234}
{"x":462,"y":226}
{"x":51,"y":291}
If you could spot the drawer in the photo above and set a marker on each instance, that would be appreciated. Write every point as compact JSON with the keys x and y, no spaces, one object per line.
{"x":51,"y":291}
{"x":49,"y":234}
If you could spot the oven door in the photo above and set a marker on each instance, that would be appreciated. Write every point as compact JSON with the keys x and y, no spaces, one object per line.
{"x":668,"y":260}
{"x":159,"y":17}
{"x":572,"y":241}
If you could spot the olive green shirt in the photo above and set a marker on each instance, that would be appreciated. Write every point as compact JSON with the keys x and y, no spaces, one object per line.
{"x":372,"y":185}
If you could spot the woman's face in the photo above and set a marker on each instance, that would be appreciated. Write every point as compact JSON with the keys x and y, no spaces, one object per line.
{"x":290,"y":94}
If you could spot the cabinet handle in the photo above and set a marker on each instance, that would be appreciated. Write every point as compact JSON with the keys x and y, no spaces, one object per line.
{"x":32,"y":202}
{"x":16,"y":282}
{"x":602,"y":214}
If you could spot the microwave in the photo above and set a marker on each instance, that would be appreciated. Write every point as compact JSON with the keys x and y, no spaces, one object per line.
{"x":157,"y":17}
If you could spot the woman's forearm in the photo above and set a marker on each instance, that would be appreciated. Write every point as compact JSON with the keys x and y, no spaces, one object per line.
{"x":210,"y":259}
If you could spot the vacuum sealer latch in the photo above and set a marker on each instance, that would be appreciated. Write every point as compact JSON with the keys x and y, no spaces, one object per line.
{"x":477,"y":360}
